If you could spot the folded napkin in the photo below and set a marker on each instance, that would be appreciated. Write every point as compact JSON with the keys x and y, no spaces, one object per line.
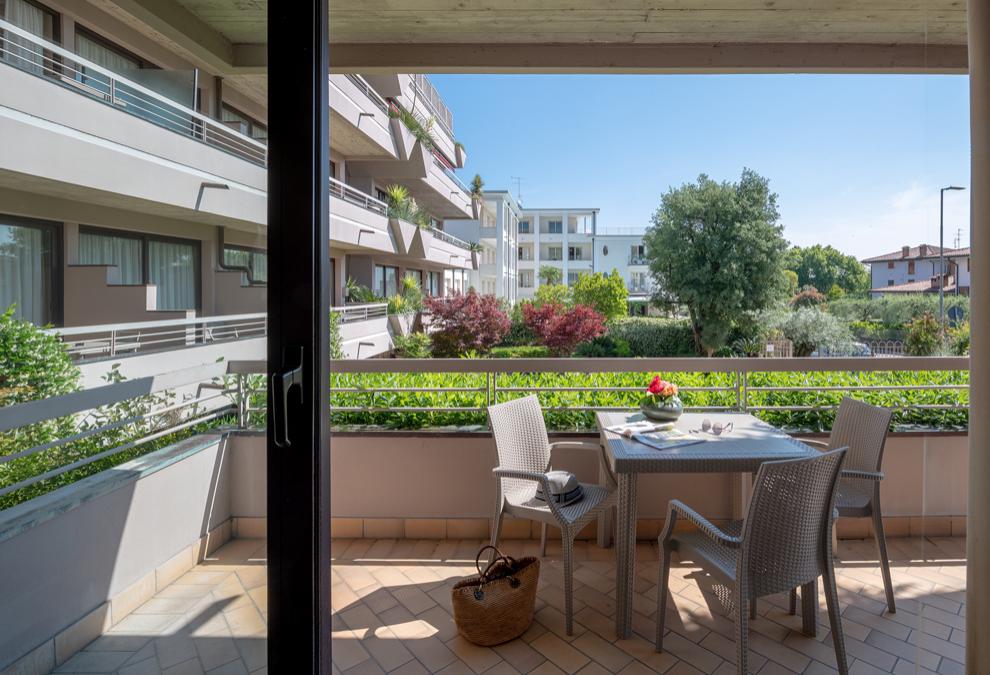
{"x":564,"y":488}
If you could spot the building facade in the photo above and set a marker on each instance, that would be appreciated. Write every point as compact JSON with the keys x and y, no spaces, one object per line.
{"x":915,"y":269}
{"x":133,"y":177}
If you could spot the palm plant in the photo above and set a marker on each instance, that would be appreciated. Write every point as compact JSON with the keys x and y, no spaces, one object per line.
{"x":477,"y":187}
{"x":358,"y":294}
{"x":401,"y":205}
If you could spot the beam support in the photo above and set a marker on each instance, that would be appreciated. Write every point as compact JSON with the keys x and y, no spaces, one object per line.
{"x":978,"y":522}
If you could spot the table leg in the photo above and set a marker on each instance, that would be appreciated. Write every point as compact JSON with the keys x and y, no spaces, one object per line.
{"x":809,"y":608}
{"x":625,"y":559}
{"x":605,"y":517}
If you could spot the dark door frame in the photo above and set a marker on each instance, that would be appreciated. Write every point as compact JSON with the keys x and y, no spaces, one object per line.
{"x":298,"y":320}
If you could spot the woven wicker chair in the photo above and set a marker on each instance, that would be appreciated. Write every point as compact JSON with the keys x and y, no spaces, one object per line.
{"x":862,"y":428}
{"x":524,"y":458}
{"x":784,"y":542}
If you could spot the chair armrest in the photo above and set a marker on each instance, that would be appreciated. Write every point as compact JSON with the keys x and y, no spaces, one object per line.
{"x":862,"y":475}
{"x":677,"y":508}
{"x":593,"y":446}
{"x":816,"y":443}
{"x":535,"y":476}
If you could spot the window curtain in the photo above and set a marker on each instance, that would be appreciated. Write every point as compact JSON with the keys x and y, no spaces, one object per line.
{"x":256,"y":261}
{"x":25,"y":272}
{"x":101,"y":56}
{"x":123,"y":253}
{"x":30,"y":18}
{"x":172,"y":268}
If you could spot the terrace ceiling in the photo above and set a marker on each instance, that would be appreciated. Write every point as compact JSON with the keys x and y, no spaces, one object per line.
{"x":580,"y":35}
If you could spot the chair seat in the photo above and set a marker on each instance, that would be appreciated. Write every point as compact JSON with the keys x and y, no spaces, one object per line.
{"x":523,"y":503}
{"x":853,"y":498}
{"x":716,"y":557}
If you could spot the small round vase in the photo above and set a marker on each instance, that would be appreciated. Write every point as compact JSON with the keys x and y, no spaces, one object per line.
{"x":666,"y":412}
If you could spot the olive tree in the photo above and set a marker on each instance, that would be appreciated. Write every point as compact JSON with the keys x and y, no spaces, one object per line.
{"x":717,"y":250}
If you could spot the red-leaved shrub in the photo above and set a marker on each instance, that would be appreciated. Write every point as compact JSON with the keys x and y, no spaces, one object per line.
{"x":560,"y":329}
{"x":466,"y":322}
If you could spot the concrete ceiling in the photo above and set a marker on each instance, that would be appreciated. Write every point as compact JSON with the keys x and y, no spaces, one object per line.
{"x":585,"y":35}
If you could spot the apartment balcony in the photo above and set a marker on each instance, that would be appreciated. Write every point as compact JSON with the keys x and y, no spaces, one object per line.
{"x":637,"y":260}
{"x":359,"y":117}
{"x":358,"y":220}
{"x":364,"y":330}
{"x":74,"y":131}
{"x":168,"y":548}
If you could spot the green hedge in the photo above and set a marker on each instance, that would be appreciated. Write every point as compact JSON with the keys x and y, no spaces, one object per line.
{"x":520,"y":352}
{"x":655,"y":337}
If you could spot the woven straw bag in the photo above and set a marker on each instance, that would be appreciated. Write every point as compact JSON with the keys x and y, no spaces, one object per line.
{"x":496,"y":605}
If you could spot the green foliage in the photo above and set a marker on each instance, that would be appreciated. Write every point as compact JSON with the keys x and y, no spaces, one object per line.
{"x":550,"y":275}
{"x":477,"y":187}
{"x":409,"y":301}
{"x":749,"y":346}
{"x":653,"y":336}
{"x":810,"y":328}
{"x":336,"y":343}
{"x":401,"y":205}
{"x":895,"y":311}
{"x":358,"y":294}
{"x":808,"y":297}
{"x":604,"y":346}
{"x":605,"y":293}
{"x":826,"y":267}
{"x":717,"y":249}
{"x":924,"y":336}
{"x":520,"y":352}
{"x":413,"y":346}
{"x":959,"y":339}
{"x":918,"y":389}
{"x":548,"y":294}
{"x":793,"y":285}
{"x":418,"y":127}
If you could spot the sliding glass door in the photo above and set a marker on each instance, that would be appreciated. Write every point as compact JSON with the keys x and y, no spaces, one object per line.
{"x":28,"y":269}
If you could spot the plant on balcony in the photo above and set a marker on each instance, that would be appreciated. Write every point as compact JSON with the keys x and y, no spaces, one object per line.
{"x":606,"y":293}
{"x":418,"y":127}
{"x":465,"y":322}
{"x":359,"y":294}
{"x":401,"y":205}
{"x":413,"y":346}
{"x":717,"y":249}
{"x":561,"y":329}
{"x":550,"y":275}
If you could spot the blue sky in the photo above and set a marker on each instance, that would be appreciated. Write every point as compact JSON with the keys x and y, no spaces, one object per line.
{"x":857,"y":160}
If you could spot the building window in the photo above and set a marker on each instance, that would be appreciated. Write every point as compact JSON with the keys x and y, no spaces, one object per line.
{"x":415,"y":275}
{"x":172,"y":265}
{"x":637,"y":282}
{"x":555,"y":227}
{"x":254,"y":260}
{"x":890,"y":282}
{"x":102,"y":52}
{"x":246,"y":125}
{"x":555,"y":253}
{"x":575,"y":253}
{"x":30,"y":269}
{"x":890,"y":264}
{"x":910,"y":267}
{"x":526,"y":279}
{"x":524,"y":227}
{"x":37,"y":20}
{"x":572,"y":278}
{"x":386,"y":281}
{"x":433,"y":283}
{"x":637,"y":255}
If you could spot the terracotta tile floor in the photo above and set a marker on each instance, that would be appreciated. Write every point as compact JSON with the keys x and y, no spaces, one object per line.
{"x":391,"y":601}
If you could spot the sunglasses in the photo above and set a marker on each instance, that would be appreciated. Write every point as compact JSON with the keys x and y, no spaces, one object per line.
{"x":716,"y":428}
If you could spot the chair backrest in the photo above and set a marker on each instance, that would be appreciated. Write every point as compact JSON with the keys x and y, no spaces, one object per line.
{"x":520,"y":434}
{"x":787,"y":534}
{"x":862,"y":428}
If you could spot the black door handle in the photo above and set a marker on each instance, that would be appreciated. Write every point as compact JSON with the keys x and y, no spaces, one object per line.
{"x":283,"y":382}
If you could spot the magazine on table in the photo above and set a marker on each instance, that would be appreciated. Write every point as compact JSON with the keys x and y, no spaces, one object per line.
{"x":667,"y":439}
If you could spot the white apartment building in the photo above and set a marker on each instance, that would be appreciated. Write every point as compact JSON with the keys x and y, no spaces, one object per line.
{"x":626,"y":253}
{"x":496,"y":231}
{"x":561,"y":238}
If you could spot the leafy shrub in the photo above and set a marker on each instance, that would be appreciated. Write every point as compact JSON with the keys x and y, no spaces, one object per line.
{"x":751,"y":346}
{"x":421,"y":129}
{"x":959,"y":339}
{"x":547,"y":294}
{"x":562,"y":329}
{"x":604,"y":346}
{"x":519,"y":334}
{"x":895,"y":311}
{"x":811,"y":328}
{"x":413,"y":346}
{"x":550,"y":275}
{"x":924,"y":336}
{"x":724,"y":352}
{"x":336,"y":349}
{"x":654,"y":337}
{"x":605,"y":293}
{"x":808,"y":297}
{"x":466,"y":321}
{"x":359,"y":294}
{"x":520,"y":352}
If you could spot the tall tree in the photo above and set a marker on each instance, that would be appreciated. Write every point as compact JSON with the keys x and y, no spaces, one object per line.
{"x":551,"y":275}
{"x":825,"y":267}
{"x":605,"y":293}
{"x":717,"y":249}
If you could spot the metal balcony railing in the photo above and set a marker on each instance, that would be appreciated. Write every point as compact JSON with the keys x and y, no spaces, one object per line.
{"x":354,"y":196}
{"x":450,"y":174}
{"x":431,"y":97}
{"x":109,"y":341}
{"x":366,"y":312}
{"x":366,"y":89}
{"x":638,"y":260}
{"x":32,"y":54}
{"x":450,"y":239}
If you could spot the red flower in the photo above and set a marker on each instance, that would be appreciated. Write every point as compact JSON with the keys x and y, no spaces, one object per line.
{"x":656,"y":386}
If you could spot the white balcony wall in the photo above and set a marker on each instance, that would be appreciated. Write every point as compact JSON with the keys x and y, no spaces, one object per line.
{"x":364,"y":339}
{"x":360,"y":128}
{"x":60,"y":143}
{"x":354,"y":226}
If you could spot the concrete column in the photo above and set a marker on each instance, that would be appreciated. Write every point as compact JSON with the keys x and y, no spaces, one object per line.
{"x":565,"y":241}
{"x":978,"y":521}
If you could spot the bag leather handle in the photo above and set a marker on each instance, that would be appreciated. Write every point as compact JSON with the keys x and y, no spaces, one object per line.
{"x":499,"y":556}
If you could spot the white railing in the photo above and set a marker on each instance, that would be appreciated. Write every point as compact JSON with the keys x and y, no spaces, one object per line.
{"x":141,"y":337}
{"x":431,"y":97}
{"x":366,"y":89}
{"x":451,"y":175}
{"x":638,"y":260}
{"x":354,"y":196}
{"x":31,"y":54}
{"x":450,"y":239}
{"x":621,"y":231}
{"x":352,"y":313}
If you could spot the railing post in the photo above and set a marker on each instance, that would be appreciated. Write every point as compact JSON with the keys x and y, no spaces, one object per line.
{"x":113,"y":343}
{"x":242,"y":401}
{"x":744,"y":384}
{"x":113,"y":91}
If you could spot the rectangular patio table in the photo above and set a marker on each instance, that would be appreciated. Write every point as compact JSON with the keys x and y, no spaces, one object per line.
{"x":750,"y":443}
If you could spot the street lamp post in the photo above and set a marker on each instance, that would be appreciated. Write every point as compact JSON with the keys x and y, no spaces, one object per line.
{"x":941,"y":253}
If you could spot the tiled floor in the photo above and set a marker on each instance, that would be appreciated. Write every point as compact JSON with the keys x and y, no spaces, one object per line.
{"x":391,"y":601}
